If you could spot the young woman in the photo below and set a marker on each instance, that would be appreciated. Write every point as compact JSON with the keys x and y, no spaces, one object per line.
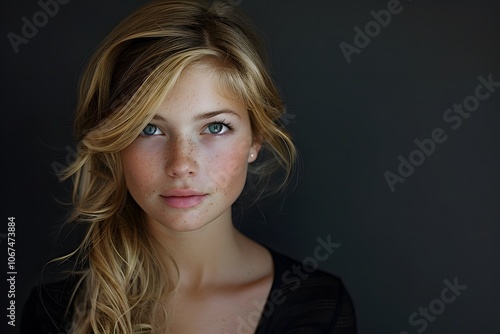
{"x":178,"y":119}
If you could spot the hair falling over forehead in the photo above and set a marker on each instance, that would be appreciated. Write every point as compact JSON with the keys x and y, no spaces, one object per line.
{"x":123,"y":85}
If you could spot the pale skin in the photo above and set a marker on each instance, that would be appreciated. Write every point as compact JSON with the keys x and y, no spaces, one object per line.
{"x":185,"y":171}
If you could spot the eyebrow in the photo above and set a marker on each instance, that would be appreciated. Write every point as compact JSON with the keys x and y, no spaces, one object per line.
{"x":205,"y":115}
{"x":215,"y":113}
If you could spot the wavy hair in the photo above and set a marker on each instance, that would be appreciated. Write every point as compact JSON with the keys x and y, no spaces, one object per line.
{"x":123,"y":279}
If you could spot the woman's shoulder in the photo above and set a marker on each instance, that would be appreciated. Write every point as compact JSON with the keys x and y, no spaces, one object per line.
{"x":304,"y":298}
{"x":46,"y":309}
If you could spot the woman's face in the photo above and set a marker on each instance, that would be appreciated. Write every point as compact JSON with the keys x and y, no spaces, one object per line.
{"x":189,"y":164}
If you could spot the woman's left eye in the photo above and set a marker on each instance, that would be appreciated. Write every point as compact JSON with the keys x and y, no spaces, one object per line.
{"x":217,"y":128}
{"x":151,"y":130}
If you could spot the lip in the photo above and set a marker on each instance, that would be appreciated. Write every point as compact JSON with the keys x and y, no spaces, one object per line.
{"x":183,"y":198}
{"x":178,"y":192}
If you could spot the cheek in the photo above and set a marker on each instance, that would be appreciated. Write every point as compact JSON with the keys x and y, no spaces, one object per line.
{"x":228,"y":169}
{"x":139,"y":171}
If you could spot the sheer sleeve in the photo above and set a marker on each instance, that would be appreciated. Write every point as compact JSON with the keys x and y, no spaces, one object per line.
{"x":305,"y":300}
{"x":344,"y":319}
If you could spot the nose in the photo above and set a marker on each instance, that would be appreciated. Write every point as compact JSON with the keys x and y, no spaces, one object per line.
{"x":181,"y":157}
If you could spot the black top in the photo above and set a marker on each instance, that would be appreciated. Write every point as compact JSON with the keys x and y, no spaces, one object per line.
{"x":302,"y":300}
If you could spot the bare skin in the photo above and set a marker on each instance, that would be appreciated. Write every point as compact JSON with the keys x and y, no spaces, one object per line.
{"x":227,"y":298}
{"x":185,"y":171}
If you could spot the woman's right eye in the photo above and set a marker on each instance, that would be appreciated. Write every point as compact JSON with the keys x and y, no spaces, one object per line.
{"x":151,"y":130}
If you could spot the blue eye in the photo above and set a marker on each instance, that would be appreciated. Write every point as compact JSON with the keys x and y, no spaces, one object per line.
{"x":215,"y":128}
{"x":218,"y":128}
{"x":151,"y":130}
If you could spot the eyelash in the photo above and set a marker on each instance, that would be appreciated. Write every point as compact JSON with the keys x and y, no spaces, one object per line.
{"x":224,"y":123}
{"x":148,"y":136}
{"x":221,"y":122}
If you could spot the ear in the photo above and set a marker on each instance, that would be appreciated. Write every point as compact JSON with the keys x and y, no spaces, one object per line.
{"x":254,"y":151}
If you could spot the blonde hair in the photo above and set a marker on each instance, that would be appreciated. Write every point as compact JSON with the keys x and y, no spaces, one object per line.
{"x":122,"y":279}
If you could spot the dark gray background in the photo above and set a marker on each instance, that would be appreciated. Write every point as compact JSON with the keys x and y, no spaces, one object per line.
{"x":351,"y":123}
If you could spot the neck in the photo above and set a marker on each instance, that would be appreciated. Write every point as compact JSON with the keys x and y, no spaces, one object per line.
{"x":207,"y":256}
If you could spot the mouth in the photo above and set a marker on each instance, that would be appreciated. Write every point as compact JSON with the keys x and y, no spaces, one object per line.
{"x":183,"y":198}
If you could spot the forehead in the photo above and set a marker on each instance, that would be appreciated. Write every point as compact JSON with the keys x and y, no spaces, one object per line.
{"x":199,"y":89}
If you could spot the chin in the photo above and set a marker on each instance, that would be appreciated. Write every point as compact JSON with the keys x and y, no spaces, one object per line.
{"x":182,"y":222}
